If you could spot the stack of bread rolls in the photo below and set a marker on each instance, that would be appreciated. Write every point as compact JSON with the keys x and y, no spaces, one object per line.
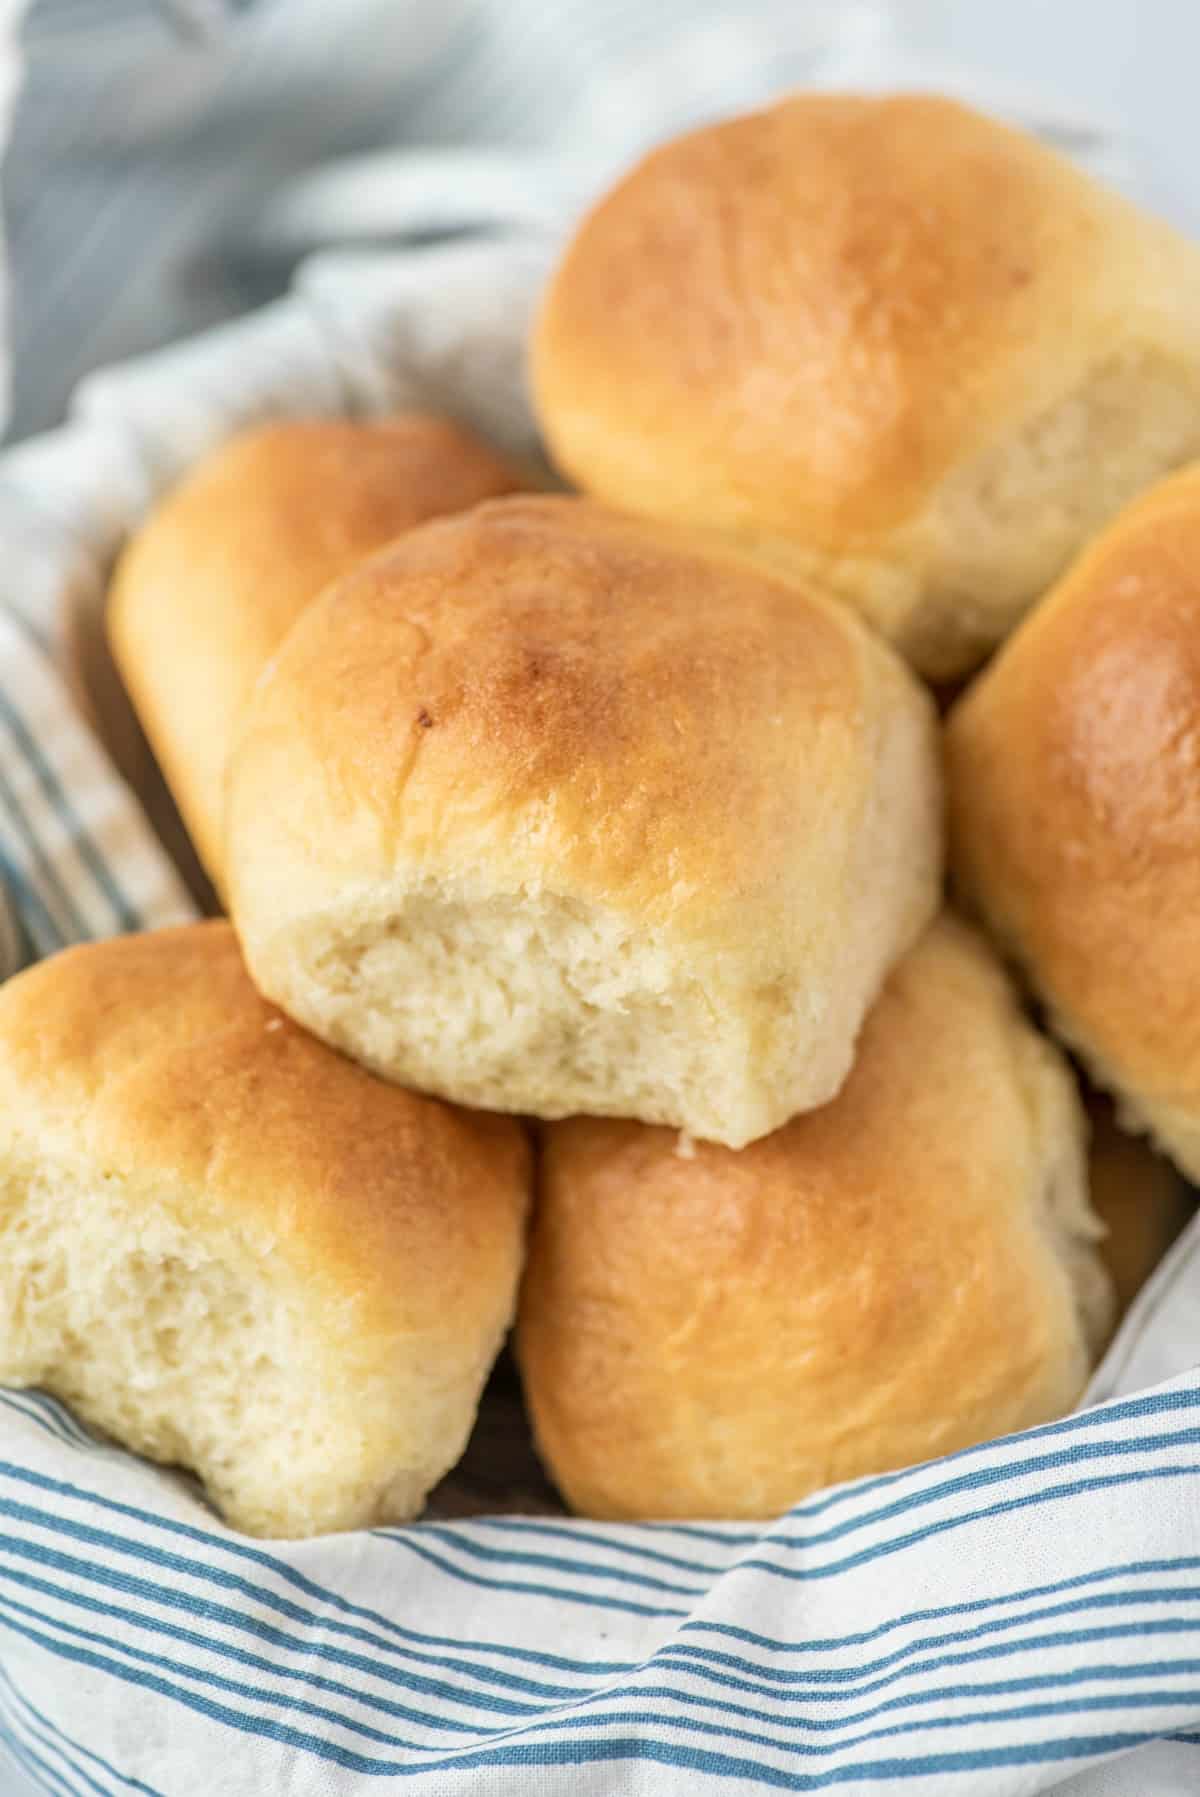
{"x":589,"y":960}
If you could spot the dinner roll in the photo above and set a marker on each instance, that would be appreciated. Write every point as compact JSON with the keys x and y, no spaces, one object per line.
{"x":1139,"y":1198}
{"x":1075,"y":808}
{"x":235,"y":1250}
{"x":904,"y":1272}
{"x":209,"y":586}
{"x":548,"y":810}
{"x":885,"y":342}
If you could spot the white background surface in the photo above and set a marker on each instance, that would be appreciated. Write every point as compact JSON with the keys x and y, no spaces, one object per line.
{"x":1136,"y":63}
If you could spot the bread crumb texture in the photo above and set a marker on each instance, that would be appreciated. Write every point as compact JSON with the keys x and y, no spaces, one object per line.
{"x":232,"y":1249}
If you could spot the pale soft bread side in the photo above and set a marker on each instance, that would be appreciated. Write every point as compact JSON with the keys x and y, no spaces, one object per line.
{"x":886,"y":343}
{"x":1074,"y":771}
{"x":548,"y":810}
{"x":904,"y":1272}
{"x":234,"y":1250}
{"x":1140,"y":1199}
{"x":209,"y":586}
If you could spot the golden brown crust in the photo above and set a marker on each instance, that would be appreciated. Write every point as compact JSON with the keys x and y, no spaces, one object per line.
{"x":902,"y":260}
{"x":210,"y":584}
{"x":1075,"y":805}
{"x":802,"y":326}
{"x":885,"y":1279}
{"x":152,"y":1057}
{"x":543,"y":669}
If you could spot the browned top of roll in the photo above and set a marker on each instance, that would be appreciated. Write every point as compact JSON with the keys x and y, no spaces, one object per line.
{"x":886,"y":341}
{"x":1074,"y":764}
{"x":210,"y":584}
{"x":678,"y":728}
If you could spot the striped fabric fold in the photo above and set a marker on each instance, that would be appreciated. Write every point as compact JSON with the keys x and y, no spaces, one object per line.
{"x":840,"y":1648}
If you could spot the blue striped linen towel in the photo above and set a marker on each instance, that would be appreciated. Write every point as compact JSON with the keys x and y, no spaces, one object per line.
{"x":1021,"y":1617}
